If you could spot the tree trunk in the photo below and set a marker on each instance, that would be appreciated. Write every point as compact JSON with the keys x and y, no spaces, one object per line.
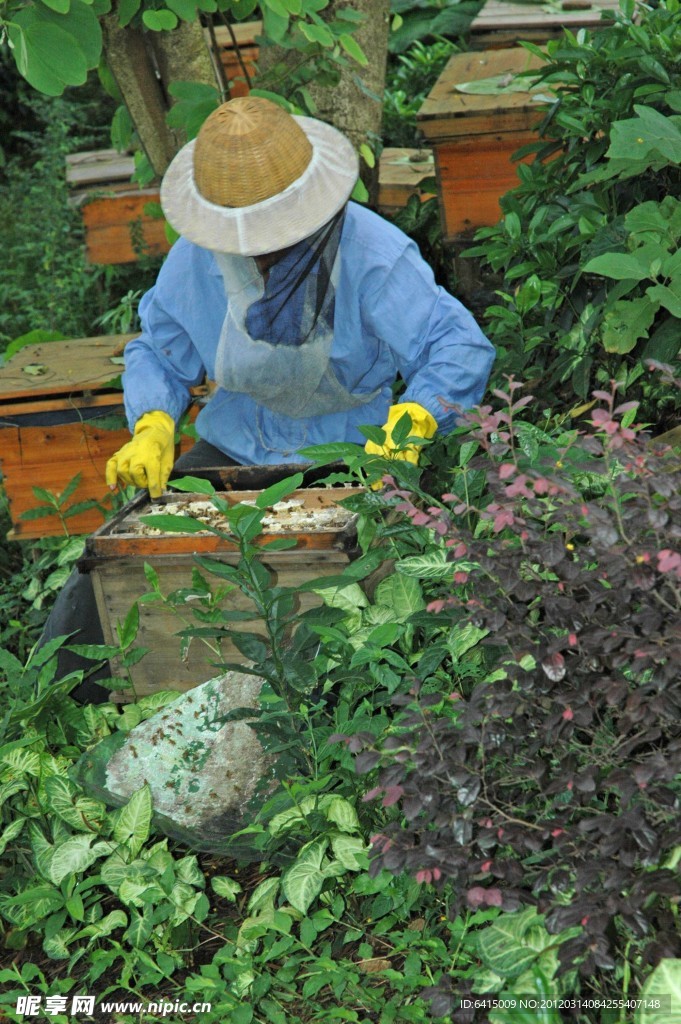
{"x":355,"y":105}
{"x":143,"y":64}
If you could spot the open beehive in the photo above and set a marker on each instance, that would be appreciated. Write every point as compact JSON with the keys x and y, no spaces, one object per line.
{"x":116,"y":554}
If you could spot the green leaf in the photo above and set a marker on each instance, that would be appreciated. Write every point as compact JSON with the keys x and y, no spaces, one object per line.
{"x":225,"y":887}
{"x":184,"y":9}
{"x":402,"y":593}
{"x":663,"y":986}
{"x":11,"y":832}
{"x":81,"y":24}
{"x":140,"y":928}
{"x":60,"y":6}
{"x":618,"y":265}
{"x":47,"y":57}
{"x":57,"y":946}
{"x":128,"y":631}
{"x":303,"y":881}
{"x":350,"y":851}
{"x":271,"y":495}
{"x":76,"y":810}
{"x":127,"y":9}
{"x":133,"y":822}
{"x":360,"y":193}
{"x":341,"y":812}
{"x":668,"y":296}
{"x":72,"y":857}
{"x":160,"y":21}
{"x":317,"y":34}
{"x":121,"y":129}
{"x":513,"y":942}
{"x":354,"y":50}
{"x":626,"y":323}
{"x":431,"y":566}
{"x":463,"y":638}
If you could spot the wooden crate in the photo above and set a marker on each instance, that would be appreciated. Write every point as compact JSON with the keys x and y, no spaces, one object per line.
{"x":116,"y":554}
{"x":503,"y":24}
{"x":231,"y":56}
{"x":400,"y":174}
{"x":118,"y":228}
{"x":473,"y":136}
{"x":54,"y":399}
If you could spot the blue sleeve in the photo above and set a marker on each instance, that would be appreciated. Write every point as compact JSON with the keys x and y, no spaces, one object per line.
{"x":438,"y":347}
{"x":162,"y":364}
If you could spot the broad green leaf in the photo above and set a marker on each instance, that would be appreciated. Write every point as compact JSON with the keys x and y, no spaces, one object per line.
{"x":626,"y":323}
{"x":57,"y":946}
{"x":341,"y":812}
{"x":462,"y":638}
{"x":121,"y":129}
{"x":354,"y":50}
{"x":512,"y":943}
{"x":317,"y":34}
{"x":133,"y":821}
{"x":431,"y":566}
{"x":271,"y":495}
{"x":127,"y":9}
{"x":107,"y":924}
{"x":663,"y":986}
{"x":72,"y":857}
{"x":226,"y":887}
{"x":140,"y":928}
{"x":351,"y":851}
{"x":11,"y":832}
{"x":184,"y":9}
{"x":402,"y":594}
{"x":79,"y":811}
{"x":160,"y":21}
{"x":47,"y":57}
{"x":619,"y":265}
{"x":668,"y":296}
{"x":60,"y":6}
{"x":264,"y":895}
{"x":303,"y":881}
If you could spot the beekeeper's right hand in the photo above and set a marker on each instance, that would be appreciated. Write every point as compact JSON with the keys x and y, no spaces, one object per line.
{"x":147,"y":460}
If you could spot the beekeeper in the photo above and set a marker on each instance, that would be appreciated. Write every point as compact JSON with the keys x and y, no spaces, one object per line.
{"x":301,"y":306}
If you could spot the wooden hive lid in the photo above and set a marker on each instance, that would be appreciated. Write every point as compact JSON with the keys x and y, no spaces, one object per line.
{"x":528,"y":18}
{"x":451,"y":112}
{"x":62,"y":367}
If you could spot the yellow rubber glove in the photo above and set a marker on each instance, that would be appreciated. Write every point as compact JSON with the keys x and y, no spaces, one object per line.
{"x":422,"y":425}
{"x":147,"y":460}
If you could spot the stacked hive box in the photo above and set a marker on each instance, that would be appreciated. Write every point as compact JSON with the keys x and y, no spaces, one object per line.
{"x":61,"y":414}
{"x":473,"y":134}
{"x":502,"y":24}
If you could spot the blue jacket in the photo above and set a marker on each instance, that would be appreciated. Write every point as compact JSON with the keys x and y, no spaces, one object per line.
{"x":390,"y":317}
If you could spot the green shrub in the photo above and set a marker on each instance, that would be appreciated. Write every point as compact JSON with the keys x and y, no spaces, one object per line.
{"x":587,"y":245}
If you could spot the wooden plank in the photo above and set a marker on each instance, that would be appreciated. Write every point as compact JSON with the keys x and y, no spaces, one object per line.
{"x":72,"y":366}
{"x":118,"y":585}
{"x":98,"y":165}
{"x":500,"y":23}
{"x":448,"y":113}
{"x":400,"y":173}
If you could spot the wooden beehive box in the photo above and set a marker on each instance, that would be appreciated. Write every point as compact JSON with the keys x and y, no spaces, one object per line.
{"x":238,"y":50}
{"x":474,"y":134}
{"x":118,"y":225}
{"x":58,"y":401}
{"x":502,"y":24}
{"x":116,"y":554}
{"x":400,"y":175}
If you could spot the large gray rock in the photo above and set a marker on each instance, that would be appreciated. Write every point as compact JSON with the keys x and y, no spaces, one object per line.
{"x":202,"y":771}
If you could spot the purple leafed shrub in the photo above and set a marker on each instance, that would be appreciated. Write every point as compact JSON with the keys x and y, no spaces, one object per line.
{"x":553,"y":780}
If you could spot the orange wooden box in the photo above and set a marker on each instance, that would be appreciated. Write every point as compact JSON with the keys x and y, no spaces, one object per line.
{"x":400,"y":174}
{"x":61,"y":414}
{"x":501,"y":24}
{"x":245,"y":52}
{"x":473,"y":135}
